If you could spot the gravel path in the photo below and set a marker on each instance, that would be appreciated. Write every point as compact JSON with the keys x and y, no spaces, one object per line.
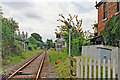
{"x":48,"y":70}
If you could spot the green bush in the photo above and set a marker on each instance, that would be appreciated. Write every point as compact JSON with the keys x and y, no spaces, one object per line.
{"x":34,"y":46}
{"x":30,"y":47}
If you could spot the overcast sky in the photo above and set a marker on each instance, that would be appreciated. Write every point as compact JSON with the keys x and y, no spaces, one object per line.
{"x":41,"y":17}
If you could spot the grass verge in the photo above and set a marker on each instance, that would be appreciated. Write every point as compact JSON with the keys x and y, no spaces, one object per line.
{"x":15,"y":58}
{"x":61,"y":58}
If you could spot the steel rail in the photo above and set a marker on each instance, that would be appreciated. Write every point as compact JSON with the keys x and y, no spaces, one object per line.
{"x":40,"y":68}
{"x":23,"y":66}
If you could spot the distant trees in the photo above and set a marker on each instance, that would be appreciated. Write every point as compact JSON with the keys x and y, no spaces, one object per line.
{"x":77,"y":35}
{"x":37,"y":37}
{"x":111,"y":31}
{"x":50,"y":43}
{"x":34,"y":41}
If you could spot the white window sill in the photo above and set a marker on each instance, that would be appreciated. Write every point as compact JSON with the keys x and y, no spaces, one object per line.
{"x":117,"y":13}
{"x":104,"y":19}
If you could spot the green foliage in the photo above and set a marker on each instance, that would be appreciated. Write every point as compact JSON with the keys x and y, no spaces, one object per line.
{"x":15,"y":58}
{"x":62,"y":66}
{"x":37,"y":37}
{"x":32,"y":40}
{"x":9,"y":26}
{"x":77,"y":35}
{"x":35,"y":40}
{"x":54,"y":55}
{"x":30,"y":47}
{"x":19,"y":38}
{"x":111,"y":31}
{"x":50,"y":43}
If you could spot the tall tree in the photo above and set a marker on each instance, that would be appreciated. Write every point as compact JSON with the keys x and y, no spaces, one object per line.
{"x":50,"y":43}
{"x":9,"y":26}
{"x":37,"y":37}
{"x":77,"y":35}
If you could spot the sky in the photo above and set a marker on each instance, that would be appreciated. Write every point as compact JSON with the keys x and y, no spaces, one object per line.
{"x":41,"y":16}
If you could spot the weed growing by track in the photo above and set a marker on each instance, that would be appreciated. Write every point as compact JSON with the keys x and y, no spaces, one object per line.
{"x":60,"y":61}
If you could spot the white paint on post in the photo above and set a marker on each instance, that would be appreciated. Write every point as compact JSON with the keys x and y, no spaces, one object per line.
{"x":90,"y":68}
{"x":104,"y":68}
{"x":94,"y":68}
{"x":114,"y":64}
{"x":81,"y":68}
{"x":99,"y":69}
{"x":78,"y":67}
{"x":86,"y":68}
{"x":109,"y":69}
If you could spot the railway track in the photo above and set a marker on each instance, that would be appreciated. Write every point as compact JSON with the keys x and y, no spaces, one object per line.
{"x":31,"y":69}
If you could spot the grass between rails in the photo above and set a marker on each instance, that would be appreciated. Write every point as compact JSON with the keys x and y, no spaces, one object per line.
{"x":15,"y":58}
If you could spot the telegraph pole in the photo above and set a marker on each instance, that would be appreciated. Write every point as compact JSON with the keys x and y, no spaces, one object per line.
{"x":69,"y":26}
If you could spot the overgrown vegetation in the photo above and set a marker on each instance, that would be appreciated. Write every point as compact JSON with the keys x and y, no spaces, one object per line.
{"x":60,"y":60}
{"x":15,"y":58}
{"x":77,"y":34}
{"x":111,"y":31}
{"x":9,"y":26}
{"x":50,"y":43}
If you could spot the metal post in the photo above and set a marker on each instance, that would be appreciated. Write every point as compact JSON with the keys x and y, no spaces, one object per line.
{"x":69,"y":42}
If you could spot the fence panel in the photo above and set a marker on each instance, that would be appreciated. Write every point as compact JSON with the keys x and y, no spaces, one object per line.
{"x":94,"y":69}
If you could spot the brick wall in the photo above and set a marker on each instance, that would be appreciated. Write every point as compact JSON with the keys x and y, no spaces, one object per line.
{"x":111,"y":10}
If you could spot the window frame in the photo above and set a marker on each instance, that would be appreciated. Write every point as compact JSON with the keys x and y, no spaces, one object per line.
{"x":118,"y":6}
{"x":105,"y":10}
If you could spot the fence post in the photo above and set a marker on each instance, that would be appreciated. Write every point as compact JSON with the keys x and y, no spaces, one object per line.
{"x":81,"y":67}
{"x":86,"y":68}
{"x":90,"y":68}
{"x":109,"y":69}
{"x":104,"y":68}
{"x":119,"y":62}
{"x":78,"y":67}
{"x":99,"y":69}
{"x":113,"y":67}
{"x":94,"y":68}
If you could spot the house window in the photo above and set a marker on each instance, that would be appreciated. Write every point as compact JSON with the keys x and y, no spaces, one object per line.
{"x":105,"y":10}
{"x":118,"y":6}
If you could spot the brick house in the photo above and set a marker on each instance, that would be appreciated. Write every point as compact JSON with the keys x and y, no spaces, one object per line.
{"x":105,"y":11}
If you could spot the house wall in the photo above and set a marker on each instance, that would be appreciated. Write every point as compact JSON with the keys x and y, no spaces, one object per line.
{"x":111,"y":10}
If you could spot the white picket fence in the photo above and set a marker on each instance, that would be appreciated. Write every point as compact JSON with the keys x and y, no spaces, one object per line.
{"x":93,"y":69}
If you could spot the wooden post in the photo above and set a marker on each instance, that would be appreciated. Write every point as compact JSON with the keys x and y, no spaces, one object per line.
{"x":86,"y":68}
{"x":81,"y":63}
{"x":94,"y":68}
{"x":113,"y":67}
{"x":109,"y":69}
{"x":90,"y":68}
{"x":99,"y":69}
{"x":78,"y":67}
{"x":119,"y":62}
{"x":104,"y":68}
